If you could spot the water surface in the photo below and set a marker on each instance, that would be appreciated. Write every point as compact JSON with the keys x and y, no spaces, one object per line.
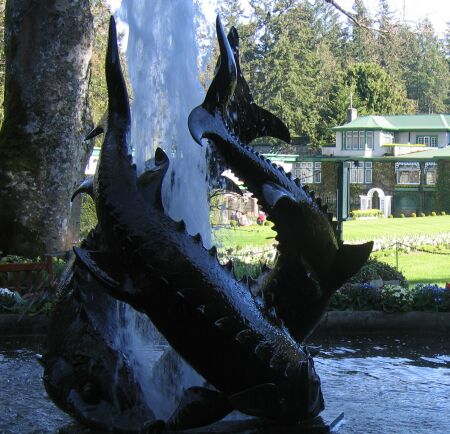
{"x":383,"y":385}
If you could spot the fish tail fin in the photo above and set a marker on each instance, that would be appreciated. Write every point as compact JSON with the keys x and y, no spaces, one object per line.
{"x":349,"y":259}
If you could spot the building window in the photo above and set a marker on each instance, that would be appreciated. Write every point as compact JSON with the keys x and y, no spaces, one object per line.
{"x":427,"y":140}
{"x":361,"y":172}
{"x":430,"y":173}
{"x":317,"y":173}
{"x":308,"y":172}
{"x":407,"y":173}
{"x":357,"y":140}
{"x":388,"y":138}
{"x":369,"y":141}
{"x":368,"y":172}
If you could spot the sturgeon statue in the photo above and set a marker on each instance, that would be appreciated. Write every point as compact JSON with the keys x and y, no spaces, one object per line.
{"x":85,"y":374}
{"x":312,"y":263}
{"x":251,"y":362}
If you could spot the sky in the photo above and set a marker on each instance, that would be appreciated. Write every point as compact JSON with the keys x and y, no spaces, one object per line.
{"x":412,"y":11}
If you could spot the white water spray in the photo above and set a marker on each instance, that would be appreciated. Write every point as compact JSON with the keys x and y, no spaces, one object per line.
{"x":163,"y":66}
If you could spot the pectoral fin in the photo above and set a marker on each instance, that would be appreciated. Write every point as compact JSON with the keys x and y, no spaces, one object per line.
{"x":101,"y":266}
{"x":199,"y":406}
{"x":262,"y":400}
{"x":87,"y":186}
{"x":95,"y":132}
{"x":150,"y":182}
{"x":109,"y":272}
{"x":229,"y":185}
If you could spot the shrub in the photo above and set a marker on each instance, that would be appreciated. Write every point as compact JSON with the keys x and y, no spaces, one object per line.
{"x":374,"y":269}
{"x":413,"y":214}
{"x":242,"y":269}
{"x":31,"y":304}
{"x":396,"y":298}
{"x":88,"y":217}
{"x":391,"y":298}
{"x":233,"y":223}
{"x":390,"y":216}
{"x":422,"y":214}
{"x":356,"y":297}
{"x":339,"y":300}
{"x":433,"y":214}
{"x":443,"y":213}
{"x":402,"y":215}
{"x":425,"y":297}
{"x":431,"y":298}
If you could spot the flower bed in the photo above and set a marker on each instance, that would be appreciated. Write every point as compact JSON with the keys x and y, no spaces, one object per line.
{"x":392,"y":298}
{"x":32,"y":303}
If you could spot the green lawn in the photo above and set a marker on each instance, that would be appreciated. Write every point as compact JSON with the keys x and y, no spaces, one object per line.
{"x":394,"y":228}
{"x":417,"y":267}
{"x":243,"y":236}
{"x":420,"y":267}
{"x":353,"y":230}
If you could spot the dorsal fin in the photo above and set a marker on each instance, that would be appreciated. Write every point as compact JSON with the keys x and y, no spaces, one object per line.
{"x":118,"y":103}
{"x":224,"y":82}
{"x":230,"y":96}
{"x":253,"y":121}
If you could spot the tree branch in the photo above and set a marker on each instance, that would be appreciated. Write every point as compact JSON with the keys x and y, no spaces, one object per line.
{"x":353,"y":17}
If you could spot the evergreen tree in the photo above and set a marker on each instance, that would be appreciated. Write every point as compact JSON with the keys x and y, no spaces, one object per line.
{"x":363,"y":40}
{"x":389,"y":44}
{"x":376,"y":92}
{"x":231,"y":13}
{"x":427,"y":73}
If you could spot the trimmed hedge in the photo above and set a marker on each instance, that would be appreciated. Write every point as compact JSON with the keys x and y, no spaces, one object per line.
{"x":357,"y":213}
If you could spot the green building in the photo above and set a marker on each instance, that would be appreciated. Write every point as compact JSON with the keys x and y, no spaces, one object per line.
{"x":398,"y":164}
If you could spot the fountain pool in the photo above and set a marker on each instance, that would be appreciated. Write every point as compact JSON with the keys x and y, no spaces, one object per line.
{"x":383,"y":385}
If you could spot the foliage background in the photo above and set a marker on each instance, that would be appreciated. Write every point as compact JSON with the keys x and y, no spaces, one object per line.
{"x":302,"y":60}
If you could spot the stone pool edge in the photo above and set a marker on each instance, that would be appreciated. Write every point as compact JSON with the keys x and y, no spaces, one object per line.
{"x":335,"y":322}
{"x":374,"y":321}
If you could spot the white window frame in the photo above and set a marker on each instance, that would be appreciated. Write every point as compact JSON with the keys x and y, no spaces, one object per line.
{"x":357,"y":140}
{"x":317,"y":176}
{"x":370,"y":139}
{"x":429,"y":168}
{"x":407,"y":167}
{"x":427,"y":140}
{"x":361,"y":174}
{"x":309,"y":172}
{"x":306,"y":172}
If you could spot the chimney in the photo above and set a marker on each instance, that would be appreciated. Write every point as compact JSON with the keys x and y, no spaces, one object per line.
{"x":352,"y":114}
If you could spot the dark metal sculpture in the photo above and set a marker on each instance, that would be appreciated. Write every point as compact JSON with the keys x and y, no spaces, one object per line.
{"x":311,"y":264}
{"x":84,"y":373}
{"x":212,"y":320}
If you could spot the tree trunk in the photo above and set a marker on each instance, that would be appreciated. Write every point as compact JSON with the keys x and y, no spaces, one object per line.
{"x":42,"y":152}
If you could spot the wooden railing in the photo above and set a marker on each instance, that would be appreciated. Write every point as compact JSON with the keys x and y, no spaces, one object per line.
{"x":30,"y":269}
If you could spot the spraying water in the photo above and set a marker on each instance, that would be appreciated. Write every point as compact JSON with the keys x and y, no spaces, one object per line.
{"x":162,"y":40}
{"x":163,"y":65}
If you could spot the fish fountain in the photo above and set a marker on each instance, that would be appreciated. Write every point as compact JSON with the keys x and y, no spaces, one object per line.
{"x":247,"y":349}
